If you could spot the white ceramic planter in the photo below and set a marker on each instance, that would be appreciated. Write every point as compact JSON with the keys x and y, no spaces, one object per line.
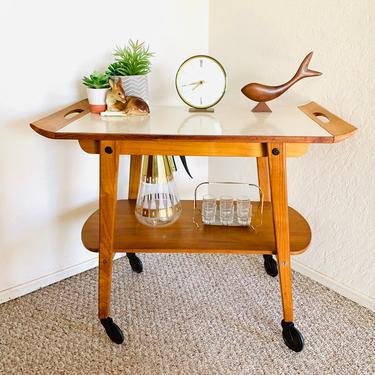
{"x":135,"y":86}
{"x":96,"y":98}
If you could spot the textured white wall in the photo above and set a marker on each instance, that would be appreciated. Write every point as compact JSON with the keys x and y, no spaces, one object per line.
{"x":48,"y":188}
{"x":333,"y":185}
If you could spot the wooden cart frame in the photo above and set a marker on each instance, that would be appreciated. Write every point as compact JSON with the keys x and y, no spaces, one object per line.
{"x":113,"y":228}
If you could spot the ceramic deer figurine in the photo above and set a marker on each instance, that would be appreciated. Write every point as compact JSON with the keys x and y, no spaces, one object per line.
{"x":262,"y":93}
{"x":117,"y":101}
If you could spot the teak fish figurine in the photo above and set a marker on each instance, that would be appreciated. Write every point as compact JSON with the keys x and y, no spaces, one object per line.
{"x":117,"y":101}
{"x":263,"y":93}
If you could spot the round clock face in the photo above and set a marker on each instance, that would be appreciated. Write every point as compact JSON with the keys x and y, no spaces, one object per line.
{"x":201,"y":81}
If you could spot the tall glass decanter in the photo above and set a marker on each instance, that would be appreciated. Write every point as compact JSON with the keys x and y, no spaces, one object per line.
{"x":157,"y":202}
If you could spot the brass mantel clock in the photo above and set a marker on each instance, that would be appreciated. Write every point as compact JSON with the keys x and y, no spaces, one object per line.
{"x":201,"y":82}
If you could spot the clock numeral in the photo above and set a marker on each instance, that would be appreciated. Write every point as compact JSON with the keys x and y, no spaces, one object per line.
{"x":201,"y":63}
{"x":201,"y":101}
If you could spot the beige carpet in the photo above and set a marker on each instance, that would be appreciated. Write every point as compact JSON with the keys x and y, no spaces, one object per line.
{"x":186,"y":314}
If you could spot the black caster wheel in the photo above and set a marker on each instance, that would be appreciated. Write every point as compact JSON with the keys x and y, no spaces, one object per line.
{"x":135,"y":263}
{"x":270,"y":265}
{"x":292,"y":337}
{"x":113,"y":330}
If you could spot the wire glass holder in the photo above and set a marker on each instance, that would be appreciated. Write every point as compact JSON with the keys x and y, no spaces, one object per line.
{"x":217,"y":217}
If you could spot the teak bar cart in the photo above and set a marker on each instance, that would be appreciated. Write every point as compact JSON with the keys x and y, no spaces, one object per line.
{"x":270,"y":137}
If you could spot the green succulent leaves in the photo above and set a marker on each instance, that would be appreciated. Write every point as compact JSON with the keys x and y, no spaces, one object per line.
{"x":97,"y":81}
{"x":131,"y":60}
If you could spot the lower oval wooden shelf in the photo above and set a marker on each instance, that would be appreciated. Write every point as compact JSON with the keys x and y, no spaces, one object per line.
{"x":184,"y":237}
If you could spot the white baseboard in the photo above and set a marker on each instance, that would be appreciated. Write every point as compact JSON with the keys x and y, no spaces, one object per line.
{"x":330,"y":283}
{"x":31,"y":286}
{"x":41,"y":282}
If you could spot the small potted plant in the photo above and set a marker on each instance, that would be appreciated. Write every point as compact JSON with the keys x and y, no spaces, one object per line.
{"x":132,"y":64}
{"x":97,"y":88}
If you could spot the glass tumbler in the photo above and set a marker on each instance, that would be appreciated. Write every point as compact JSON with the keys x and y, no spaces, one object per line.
{"x":226,"y":210}
{"x":244,"y":210}
{"x":208,"y":209}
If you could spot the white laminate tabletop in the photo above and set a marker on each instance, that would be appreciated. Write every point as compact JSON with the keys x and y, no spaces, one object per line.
{"x":288,"y":121}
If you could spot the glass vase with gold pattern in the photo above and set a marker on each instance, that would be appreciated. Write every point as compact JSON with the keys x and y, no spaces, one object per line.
{"x":157,"y":202}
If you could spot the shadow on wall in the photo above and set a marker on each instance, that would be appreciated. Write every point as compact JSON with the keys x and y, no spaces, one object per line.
{"x":48,"y":189}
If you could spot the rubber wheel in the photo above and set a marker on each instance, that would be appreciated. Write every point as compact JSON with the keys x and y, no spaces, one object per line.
{"x":135,"y":263}
{"x":293,"y":338}
{"x":270,"y":265}
{"x":113,"y":330}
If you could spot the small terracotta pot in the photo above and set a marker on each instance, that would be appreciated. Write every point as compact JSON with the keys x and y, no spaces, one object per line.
{"x":96,"y":99}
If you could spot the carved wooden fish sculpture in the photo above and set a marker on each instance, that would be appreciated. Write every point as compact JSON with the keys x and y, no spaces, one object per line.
{"x":263,"y":93}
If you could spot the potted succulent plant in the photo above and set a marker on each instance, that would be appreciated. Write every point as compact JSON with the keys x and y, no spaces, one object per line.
{"x":132,"y":64}
{"x":97,"y":88}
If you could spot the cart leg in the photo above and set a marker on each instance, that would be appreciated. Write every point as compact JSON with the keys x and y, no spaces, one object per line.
{"x":109,"y":159}
{"x":134,"y":176}
{"x":263,"y":180}
{"x":277,"y":172}
{"x":270,"y":264}
{"x":135,"y":263}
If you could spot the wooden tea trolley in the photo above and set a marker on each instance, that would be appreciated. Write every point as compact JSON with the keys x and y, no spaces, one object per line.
{"x":270,"y":137}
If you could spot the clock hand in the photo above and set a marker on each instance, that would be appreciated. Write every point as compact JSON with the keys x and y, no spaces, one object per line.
{"x":197,"y":83}
{"x":191,"y":84}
